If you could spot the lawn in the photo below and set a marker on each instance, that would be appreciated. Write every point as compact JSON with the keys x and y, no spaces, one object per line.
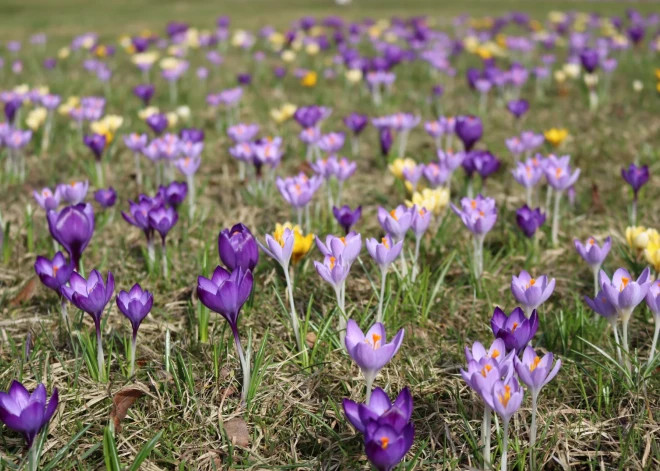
{"x":594,"y":415}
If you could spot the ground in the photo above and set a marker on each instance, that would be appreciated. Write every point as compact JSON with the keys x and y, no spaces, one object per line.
{"x":590,"y":416}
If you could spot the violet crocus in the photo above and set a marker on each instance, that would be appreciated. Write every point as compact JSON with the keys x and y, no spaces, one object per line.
{"x":162,"y":219}
{"x":92,"y":296}
{"x":384,"y":253}
{"x":479,"y":216}
{"x":518,"y":107}
{"x":346,"y":217}
{"x":515,"y":329}
{"x":560,"y":178}
{"x":174,"y":194}
{"x":158,"y":123}
{"x":28,"y":414}
{"x":625,"y":294}
{"x":356,"y":123}
{"x":469,"y":130}
{"x":73,"y":193}
{"x":636,"y":177}
{"x":73,"y":228}
{"x":531,"y":292}
{"x":505,"y":399}
{"x":106,"y":197}
{"x":653,"y":302}
{"x":396,"y":223}
{"x":136,"y":143}
{"x":226,"y":293}
{"x":379,"y":409}
{"x":594,"y":255}
{"x":535,"y":372}
{"x":238,"y":248}
{"x":385,"y":446}
{"x":385,"y":139}
{"x":138,"y":216}
{"x":135,"y":305}
{"x":54,"y":274}
{"x":48,"y":199}
{"x":97,"y":144}
{"x":370,"y":351}
{"x":144,"y":92}
{"x":528,"y":176}
{"x":529,"y":220}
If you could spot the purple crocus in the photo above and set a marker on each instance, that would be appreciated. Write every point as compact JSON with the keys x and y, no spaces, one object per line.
{"x":226,"y":293}
{"x":347,"y":217}
{"x":162,"y":219}
{"x":92,"y":296}
{"x":356,"y":122}
{"x":48,"y":199}
{"x":238,"y":248}
{"x":505,"y":399}
{"x":624,"y":292}
{"x":174,"y":194}
{"x":96,"y":143}
{"x":334,"y":270}
{"x":396,"y":222}
{"x":27,"y":413}
{"x":593,"y":254}
{"x":590,"y":59}
{"x":518,"y":107}
{"x":385,"y":139}
{"x":53,"y":273}
{"x":157,"y":122}
{"x":106,"y":197}
{"x":653,"y":302}
{"x":73,"y":193}
{"x":385,"y":446}
{"x":529,"y":220}
{"x":636,"y":177}
{"x":370,"y":351}
{"x":379,"y":409}
{"x":144,"y":92}
{"x":531,"y":292}
{"x":469,"y":130}
{"x":515,"y":329}
{"x":73,"y":228}
{"x":135,"y":305}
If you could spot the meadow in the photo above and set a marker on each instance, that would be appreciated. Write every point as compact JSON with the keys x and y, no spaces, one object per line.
{"x":183,"y":402}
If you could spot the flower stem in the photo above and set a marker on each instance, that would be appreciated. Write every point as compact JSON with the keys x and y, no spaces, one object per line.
{"x":369,"y":380}
{"x":655,"y":341}
{"x":99,"y":174}
{"x":164,"y":260}
{"x":383,"y":277}
{"x":415,"y":270}
{"x":485,"y":435}
{"x":618,"y":343}
{"x":555,"y":219}
{"x":532,"y":432}
{"x":294,"y":315}
{"x":33,"y":459}
{"x":505,"y":444}
{"x":342,"y":313}
{"x":625,"y":341}
{"x":596,"y":269}
{"x":138,"y":169}
{"x":633,"y":211}
{"x":133,"y":346}
{"x":99,"y":352}
{"x":244,"y":365}
{"x":191,"y":196}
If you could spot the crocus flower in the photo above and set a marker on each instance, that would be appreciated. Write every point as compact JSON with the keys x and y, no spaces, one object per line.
{"x":92,"y":296}
{"x":479,"y":216}
{"x":331,"y":143}
{"x":162,"y":219}
{"x":371,"y":352}
{"x":505,"y":399}
{"x":590,"y":59}
{"x":529,"y":220}
{"x":516,"y":329}
{"x":385,"y":138}
{"x":348,"y":248}
{"x":238,"y":248}
{"x":74,"y":193}
{"x":528,"y":176}
{"x":593,"y":254}
{"x":73,"y":228}
{"x":157,"y":122}
{"x":384,"y":253}
{"x":379,"y":409}
{"x":226,"y":293}
{"x":636,"y":177}
{"x":193,"y":135}
{"x":469,"y":130}
{"x":347,"y":217}
{"x":106,"y":197}
{"x":173,"y":194}
{"x":531,"y":292}
{"x":396,"y":222}
{"x":47,"y":199}
{"x":27,"y":413}
{"x":334,"y":270}
{"x":518,"y":107}
{"x":96,"y":143}
{"x":144,"y":92}
{"x":53,"y":273}
{"x":385,"y":447}
{"x":135,"y":305}
{"x":356,"y":122}
{"x":653,"y":302}
{"x":240,"y":133}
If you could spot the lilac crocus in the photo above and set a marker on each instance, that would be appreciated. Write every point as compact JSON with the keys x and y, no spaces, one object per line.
{"x":379,"y":409}
{"x":384,"y":253}
{"x":529,"y":220}
{"x":469,"y":130}
{"x":226,"y":293}
{"x":346,"y":217}
{"x":92,"y":296}
{"x":636,"y":177}
{"x":157,"y":122}
{"x":531,"y":292}
{"x":479,"y":216}
{"x":516,"y":147}
{"x":96,"y":143}
{"x":396,"y":222}
{"x":331,"y":143}
{"x":528,"y":176}
{"x":73,"y":228}
{"x":75,"y":192}
{"x":106,"y":197}
{"x":594,"y":255}
{"x":162,"y":219}
{"x":653,"y":302}
{"x":53,"y":273}
{"x":48,"y":199}
{"x":27,"y":413}
{"x":135,"y":305}
{"x":505,"y":399}
{"x":238,"y":248}
{"x":370,"y":351}
{"x":518,"y":107}
{"x":515,"y":329}
{"x":240,"y":133}
{"x":559,"y":177}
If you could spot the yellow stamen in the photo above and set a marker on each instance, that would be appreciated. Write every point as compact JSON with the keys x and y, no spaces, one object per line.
{"x":515,"y":326}
{"x":534,"y":364}
{"x":384,"y":241}
{"x":384,"y":442}
{"x":504,"y":398}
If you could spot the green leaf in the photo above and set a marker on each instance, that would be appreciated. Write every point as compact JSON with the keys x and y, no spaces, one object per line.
{"x":60,"y":454}
{"x":145,"y":451}
{"x":110,"y":451}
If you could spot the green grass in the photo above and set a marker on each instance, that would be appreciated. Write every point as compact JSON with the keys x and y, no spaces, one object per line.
{"x":592,"y":416}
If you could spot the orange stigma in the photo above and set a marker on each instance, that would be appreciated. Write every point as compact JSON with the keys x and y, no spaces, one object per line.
{"x":504,"y":398}
{"x":384,"y":442}
{"x":534,"y":364}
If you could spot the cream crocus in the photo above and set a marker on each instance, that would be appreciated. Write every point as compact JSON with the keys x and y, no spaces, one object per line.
{"x":433,"y":200}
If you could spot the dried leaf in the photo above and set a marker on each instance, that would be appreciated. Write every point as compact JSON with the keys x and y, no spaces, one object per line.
{"x":27,"y":292}
{"x":596,"y":202}
{"x":310,"y":339}
{"x":237,"y":432}
{"x":122,"y":400}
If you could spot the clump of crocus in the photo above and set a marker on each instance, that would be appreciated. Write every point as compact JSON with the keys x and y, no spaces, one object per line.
{"x":594,"y":255}
{"x":479,"y":216}
{"x":226,"y":293}
{"x":238,"y":248}
{"x":54,"y":274}
{"x":28,"y":414}
{"x":388,"y":432}
{"x":625,"y":293}
{"x":515,"y":329}
{"x":531,"y":292}
{"x":535,"y":372}
{"x":339,"y":254}
{"x":560,"y":178}
{"x":636,"y":177}
{"x":346,"y":217}
{"x":384,"y":253}
{"x":370,"y":351}
{"x":162,"y":219}
{"x":135,"y":305}
{"x":653,"y":302}
{"x":92,"y":296}
{"x":73,"y":228}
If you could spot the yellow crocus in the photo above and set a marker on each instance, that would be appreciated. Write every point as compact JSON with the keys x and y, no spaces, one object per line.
{"x":312,"y":49}
{"x":652,"y":252}
{"x":571,"y":70}
{"x":657,"y":74}
{"x":637,"y":237}
{"x":145,"y":58}
{"x":556,"y":136}
{"x":309,"y":80}
{"x":183,"y":112}
{"x":353,"y":75}
{"x":397,"y":166}
{"x":301,"y":243}
{"x":288,"y":56}
{"x":148,"y":111}
{"x":36,"y":118}
{"x":65,"y":108}
{"x":63,"y":53}
{"x":172,"y":119}
{"x":433,"y":200}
